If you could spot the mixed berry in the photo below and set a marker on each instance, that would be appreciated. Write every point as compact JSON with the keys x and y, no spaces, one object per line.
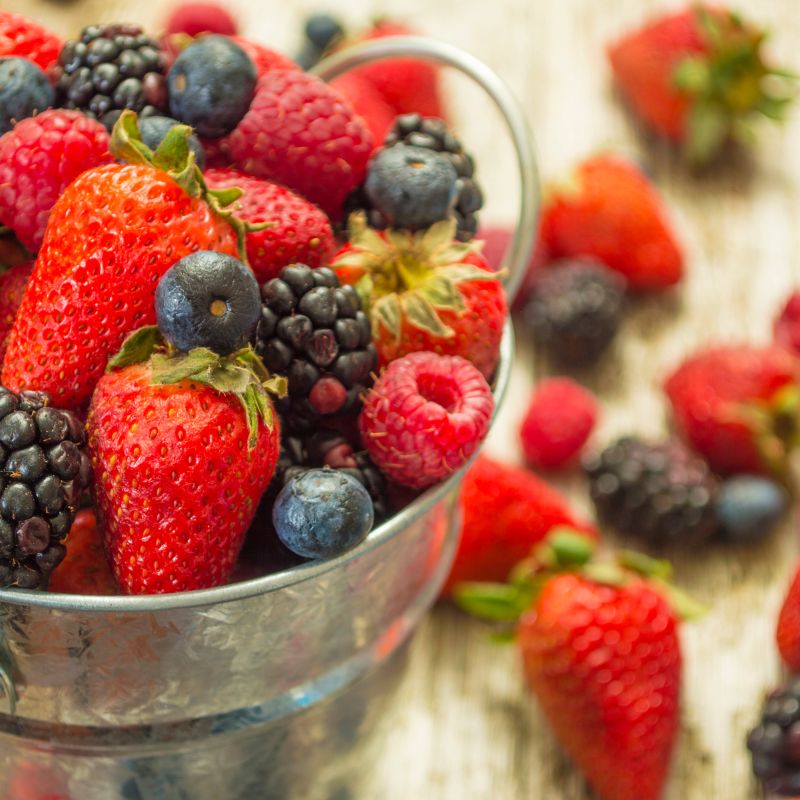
{"x":230,"y":365}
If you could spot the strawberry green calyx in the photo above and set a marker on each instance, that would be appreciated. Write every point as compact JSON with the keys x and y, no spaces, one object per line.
{"x":729,"y":85}
{"x":776,"y":428}
{"x":566,"y":551}
{"x":411,"y":276}
{"x":175,"y":157}
{"x":241,"y":374}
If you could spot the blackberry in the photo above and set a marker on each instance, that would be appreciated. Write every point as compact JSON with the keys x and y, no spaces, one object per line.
{"x":330,"y":448}
{"x":575,"y":310}
{"x":45,"y":470}
{"x":775,"y":743}
{"x":659,"y":492}
{"x":313,"y":331}
{"x":431,"y":133}
{"x":111,"y":68}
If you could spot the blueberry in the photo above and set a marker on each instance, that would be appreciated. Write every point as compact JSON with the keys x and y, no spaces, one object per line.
{"x":749,"y":506}
{"x":412,"y":187}
{"x":322,"y":30}
{"x":24,"y":91}
{"x":154,"y":129}
{"x":211,"y":85}
{"x":322,"y":513}
{"x":208,"y":300}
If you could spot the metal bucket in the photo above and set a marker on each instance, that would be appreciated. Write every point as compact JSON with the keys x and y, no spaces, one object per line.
{"x":274,"y":687}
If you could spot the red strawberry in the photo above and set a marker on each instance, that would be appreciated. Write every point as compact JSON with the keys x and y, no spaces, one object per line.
{"x":600,"y":651}
{"x":300,"y":132}
{"x":298,"y":232}
{"x":368,"y":104}
{"x":179,"y":469}
{"x":112,"y":234}
{"x":559,"y":420}
{"x":697,"y":76}
{"x":406,"y":85}
{"x":788,"y":630}
{"x":20,"y":36}
{"x":424,"y":417}
{"x":737,"y":406}
{"x":39,"y":158}
{"x":12,"y":288}
{"x":427,"y":292}
{"x":612,"y":212}
{"x":507,"y":512}
{"x":85,"y":569}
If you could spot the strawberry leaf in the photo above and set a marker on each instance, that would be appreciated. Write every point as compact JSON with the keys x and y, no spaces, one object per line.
{"x":496,"y":602}
{"x":441,"y":291}
{"x":174,"y":369}
{"x":138,"y":347}
{"x":229,"y":379}
{"x":709,"y":127}
{"x":386,"y":311}
{"x":421,"y":314}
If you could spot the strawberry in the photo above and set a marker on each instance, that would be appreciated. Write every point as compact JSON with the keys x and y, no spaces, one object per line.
{"x":406,"y":85}
{"x":788,"y":629}
{"x":296,"y":231}
{"x":179,"y":464}
{"x":110,"y":237}
{"x":600,"y":652}
{"x":23,"y":37}
{"x":737,"y":406}
{"x":506,"y":511}
{"x":612,"y":212}
{"x":12,"y":288}
{"x":425,"y":291}
{"x":85,"y":569}
{"x":698,"y":76}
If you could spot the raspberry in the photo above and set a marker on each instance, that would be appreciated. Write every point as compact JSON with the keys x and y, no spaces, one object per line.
{"x":39,"y":158}
{"x":787,"y":325}
{"x":195,"y":18}
{"x":300,"y":132}
{"x":425,"y":416}
{"x":298,"y":232}
{"x":265,"y":58}
{"x":560,"y":417}
{"x":23,"y":37}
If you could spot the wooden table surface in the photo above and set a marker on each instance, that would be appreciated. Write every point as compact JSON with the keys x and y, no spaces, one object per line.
{"x":466,"y":729}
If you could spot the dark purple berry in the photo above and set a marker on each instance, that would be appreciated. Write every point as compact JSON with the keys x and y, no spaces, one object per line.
{"x":24,"y":91}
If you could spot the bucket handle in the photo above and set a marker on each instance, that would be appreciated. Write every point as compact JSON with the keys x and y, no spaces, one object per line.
{"x":519,"y":250}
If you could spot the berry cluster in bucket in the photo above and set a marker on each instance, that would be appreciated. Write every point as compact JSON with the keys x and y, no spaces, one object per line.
{"x":229,"y":312}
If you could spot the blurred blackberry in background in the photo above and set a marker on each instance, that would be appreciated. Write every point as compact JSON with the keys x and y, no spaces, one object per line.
{"x":45,"y":470}
{"x":111,"y":68}
{"x":431,"y":133}
{"x":331,"y":448}
{"x":661,"y":493}
{"x":775,"y":743}
{"x":313,"y":331}
{"x":574,"y":311}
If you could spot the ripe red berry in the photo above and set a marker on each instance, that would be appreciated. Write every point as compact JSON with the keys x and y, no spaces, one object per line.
{"x":300,"y":132}
{"x":23,"y":37}
{"x":39,"y":158}
{"x":297,"y":233}
{"x":787,"y":325}
{"x":425,"y":416}
{"x":195,"y":18}
{"x":788,"y":630}
{"x":12,"y":286}
{"x":560,"y":417}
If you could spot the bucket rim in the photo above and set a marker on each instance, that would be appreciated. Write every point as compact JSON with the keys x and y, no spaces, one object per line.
{"x":275,"y":581}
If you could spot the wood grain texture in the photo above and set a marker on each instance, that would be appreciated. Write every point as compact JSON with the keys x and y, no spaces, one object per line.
{"x":466,"y":730}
